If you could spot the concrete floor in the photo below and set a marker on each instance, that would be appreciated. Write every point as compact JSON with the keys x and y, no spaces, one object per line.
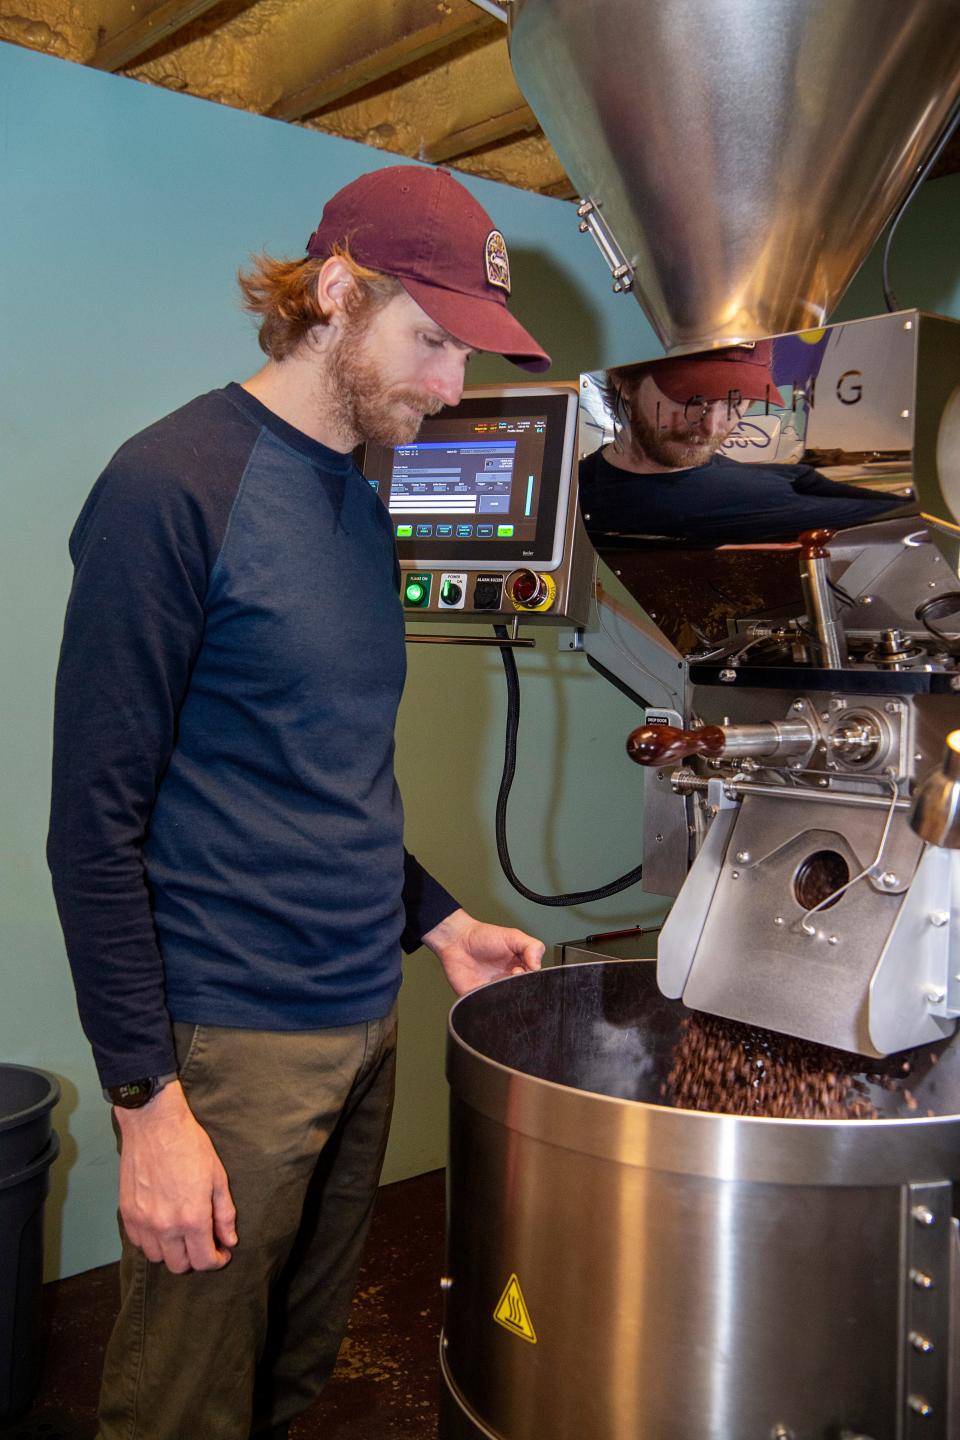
{"x":385,"y":1385}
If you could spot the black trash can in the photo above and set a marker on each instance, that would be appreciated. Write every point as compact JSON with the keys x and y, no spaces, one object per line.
{"x":28,"y":1147}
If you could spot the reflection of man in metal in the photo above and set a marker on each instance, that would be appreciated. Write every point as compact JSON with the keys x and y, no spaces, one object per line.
{"x":674,"y":415}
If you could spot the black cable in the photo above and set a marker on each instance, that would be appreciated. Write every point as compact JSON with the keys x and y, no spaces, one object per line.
{"x":577,"y":897}
{"x":890,"y":300}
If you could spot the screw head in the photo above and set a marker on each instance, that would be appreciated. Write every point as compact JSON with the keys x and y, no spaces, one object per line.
{"x":939,"y":918}
{"x":833,"y":939}
{"x":778,"y":920}
{"x":923,"y":1215}
{"x":919,"y":1405}
{"x":728,"y":676}
{"x":743,"y":856}
{"x":446,"y":1282}
{"x":888,"y":878}
{"x":922,"y":1343}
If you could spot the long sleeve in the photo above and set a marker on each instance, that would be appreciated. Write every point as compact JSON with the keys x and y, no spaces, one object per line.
{"x":425,"y":902}
{"x":141,"y":551}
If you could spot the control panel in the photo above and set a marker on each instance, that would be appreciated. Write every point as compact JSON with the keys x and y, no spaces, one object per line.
{"x":483,"y":506}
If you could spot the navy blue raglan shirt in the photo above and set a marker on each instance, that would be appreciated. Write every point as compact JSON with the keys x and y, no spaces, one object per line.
{"x":226,"y":838}
{"x":724,"y":502}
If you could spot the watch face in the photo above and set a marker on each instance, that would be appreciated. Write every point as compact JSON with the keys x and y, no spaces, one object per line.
{"x":131,"y":1095}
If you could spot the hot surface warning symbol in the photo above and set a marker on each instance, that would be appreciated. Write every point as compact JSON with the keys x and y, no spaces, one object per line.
{"x":512,"y":1313}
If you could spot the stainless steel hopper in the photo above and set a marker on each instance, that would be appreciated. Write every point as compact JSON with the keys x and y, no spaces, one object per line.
{"x":742,"y":156}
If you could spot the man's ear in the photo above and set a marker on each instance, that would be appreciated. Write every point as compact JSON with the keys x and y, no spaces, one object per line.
{"x":334,"y":283}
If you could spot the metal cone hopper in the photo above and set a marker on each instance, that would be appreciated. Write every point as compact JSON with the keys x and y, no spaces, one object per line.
{"x":741,"y":156}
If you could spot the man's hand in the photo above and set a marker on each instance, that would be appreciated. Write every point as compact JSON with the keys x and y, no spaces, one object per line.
{"x":473,"y":953}
{"x":174,"y":1194}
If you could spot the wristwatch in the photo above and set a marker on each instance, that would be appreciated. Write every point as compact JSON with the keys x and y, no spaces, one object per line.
{"x":134,"y":1093}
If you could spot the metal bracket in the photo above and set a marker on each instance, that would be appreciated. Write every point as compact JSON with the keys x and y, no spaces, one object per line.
{"x":926,"y":1251}
{"x":683,"y":927}
{"x":593,"y":222}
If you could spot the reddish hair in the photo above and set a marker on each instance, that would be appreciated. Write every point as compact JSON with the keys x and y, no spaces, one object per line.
{"x":283,"y":294}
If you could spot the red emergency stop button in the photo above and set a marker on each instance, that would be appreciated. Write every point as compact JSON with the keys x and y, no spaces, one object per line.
{"x":530,"y":591}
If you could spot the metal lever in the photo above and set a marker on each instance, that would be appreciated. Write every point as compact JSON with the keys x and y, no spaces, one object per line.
{"x":663,"y":744}
{"x":815,"y":581}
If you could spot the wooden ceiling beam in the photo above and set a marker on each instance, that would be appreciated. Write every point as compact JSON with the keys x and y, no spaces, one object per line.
{"x":518,"y":121}
{"x":151,"y":26}
{"x":376,"y":50}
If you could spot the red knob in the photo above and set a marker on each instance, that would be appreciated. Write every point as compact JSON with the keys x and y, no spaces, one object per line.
{"x":660,"y":744}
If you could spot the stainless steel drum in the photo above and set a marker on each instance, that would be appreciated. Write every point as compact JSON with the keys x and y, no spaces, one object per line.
{"x":620,"y":1269}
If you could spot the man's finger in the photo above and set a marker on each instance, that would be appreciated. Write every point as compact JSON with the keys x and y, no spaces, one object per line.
{"x":175,"y":1255}
{"x":203,"y":1252}
{"x":224,"y":1213}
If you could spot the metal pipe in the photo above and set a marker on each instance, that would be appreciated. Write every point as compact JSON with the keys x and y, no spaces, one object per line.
{"x":815,"y":580}
{"x":685,"y":782}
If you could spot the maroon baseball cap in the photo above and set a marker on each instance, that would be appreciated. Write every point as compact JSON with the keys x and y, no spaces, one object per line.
{"x":714,"y":373}
{"x":424,"y":228}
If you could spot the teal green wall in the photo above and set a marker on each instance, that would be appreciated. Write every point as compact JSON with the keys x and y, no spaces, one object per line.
{"x":125,"y":212}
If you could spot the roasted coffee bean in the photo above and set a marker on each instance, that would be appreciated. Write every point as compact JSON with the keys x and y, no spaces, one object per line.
{"x":730,"y":1069}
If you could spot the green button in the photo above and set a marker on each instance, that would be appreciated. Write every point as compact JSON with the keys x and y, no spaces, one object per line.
{"x":505,"y":530}
{"x":414,"y":592}
{"x":404,"y":532}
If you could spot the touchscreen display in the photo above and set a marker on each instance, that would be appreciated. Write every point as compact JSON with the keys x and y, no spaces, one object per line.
{"x":482,"y":482}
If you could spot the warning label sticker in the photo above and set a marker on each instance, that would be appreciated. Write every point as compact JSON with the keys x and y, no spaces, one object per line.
{"x":512,"y":1312}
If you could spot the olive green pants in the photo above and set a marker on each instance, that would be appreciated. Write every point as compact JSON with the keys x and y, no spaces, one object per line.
{"x":300,"y":1122}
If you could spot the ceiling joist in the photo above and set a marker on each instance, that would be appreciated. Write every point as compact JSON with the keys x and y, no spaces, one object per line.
{"x":126,"y":45}
{"x":370,"y":51}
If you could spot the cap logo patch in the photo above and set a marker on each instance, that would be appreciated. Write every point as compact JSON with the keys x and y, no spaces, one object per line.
{"x":497,"y":261}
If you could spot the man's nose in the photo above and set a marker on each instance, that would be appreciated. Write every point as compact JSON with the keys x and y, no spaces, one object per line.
{"x":447,"y":380}
{"x":717,"y":416}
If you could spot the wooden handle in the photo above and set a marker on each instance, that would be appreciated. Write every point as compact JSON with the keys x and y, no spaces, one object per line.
{"x":661,"y":744}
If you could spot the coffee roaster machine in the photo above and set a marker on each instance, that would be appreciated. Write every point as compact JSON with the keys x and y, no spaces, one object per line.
{"x":620,"y":1268}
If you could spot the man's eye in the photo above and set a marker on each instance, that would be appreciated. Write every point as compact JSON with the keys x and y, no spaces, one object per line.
{"x":433,"y":341}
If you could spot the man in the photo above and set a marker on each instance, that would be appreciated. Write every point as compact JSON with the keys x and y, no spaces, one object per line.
{"x":226,"y":833}
{"x":674,"y":416}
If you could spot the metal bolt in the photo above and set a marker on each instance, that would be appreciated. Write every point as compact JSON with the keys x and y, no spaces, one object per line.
{"x":921,"y":1342}
{"x":833,"y":939}
{"x":797,"y":705}
{"x":866,"y":600}
{"x":888,"y":878}
{"x":734,"y":874}
{"x":919,"y":1406}
{"x":659,"y":839}
{"x":891,"y":708}
{"x":743,"y":857}
{"x":923,"y":1215}
{"x":446,"y":1282}
{"x":955,"y":682}
{"x":823,"y":783}
{"x":728,"y":676}
{"x":836,"y":703}
{"x":933,"y":996}
{"x":921,"y":1279}
{"x":778,"y":920}
{"x":939,"y":917}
